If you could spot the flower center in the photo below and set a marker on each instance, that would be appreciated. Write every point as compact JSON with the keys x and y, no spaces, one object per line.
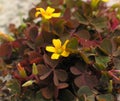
{"x":47,"y":13}
{"x":59,"y":51}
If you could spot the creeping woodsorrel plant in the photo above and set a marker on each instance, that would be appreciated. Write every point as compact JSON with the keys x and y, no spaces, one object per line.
{"x":66,"y":50}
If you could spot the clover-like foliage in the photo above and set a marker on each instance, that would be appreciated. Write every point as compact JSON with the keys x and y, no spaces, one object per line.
{"x":71,"y":54}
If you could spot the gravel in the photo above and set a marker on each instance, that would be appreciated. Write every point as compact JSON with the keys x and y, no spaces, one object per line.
{"x":13,"y":11}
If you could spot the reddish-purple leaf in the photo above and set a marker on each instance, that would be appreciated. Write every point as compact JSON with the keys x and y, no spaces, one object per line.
{"x":75,"y":71}
{"x":34,"y":57}
{"x":32,"y":32}
{"x":85,"y":42}
{"x":61,"y":75}
{"x":62,"y":85}
{"x":72,"y":24}
{"x":49,"y":61}
{"x":56,"y":2}
{"x":44,"y":76}
{"x":32,"y":13}
{"x":86,"y":80}
{"x":55,"y":79}
{"x":47,"y":92}
{"x":17,"y":43}
{"x":5,"y":50}
{"x":42,"y":69}
{"x":67,"y":14}
{"x":114,"y":23}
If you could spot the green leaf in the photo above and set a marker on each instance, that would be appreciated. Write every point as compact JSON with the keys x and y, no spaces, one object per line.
{"x":105,"y":97}
{"x":73,"y":44}
{"x":58,"y":27}
{"x":99,"y":23}
{"x":83,"y":34}
{"x":102,"y":61}
{"x":99,"y":66}
{"x":81,"y":18}
{"x":84,"y":90}
{"x":106,"y":45}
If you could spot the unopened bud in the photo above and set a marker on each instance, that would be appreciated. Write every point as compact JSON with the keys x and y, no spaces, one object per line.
{"x":34,"y":69}
{"x":28,"y":83}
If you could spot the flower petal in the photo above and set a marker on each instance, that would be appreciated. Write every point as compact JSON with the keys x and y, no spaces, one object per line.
{"x":64,"y":45}
{"x":56,"y":14}
{"x":55,"y":56}
{"x":37,"y":14}
{"x":41,"y":10}
{"x":56,"y":43}
{"x":105,"y":0}
{"x":65,"y":54}
{"x":50,"y":49}
{"x":50,"y":10}
{"x":46,"y":16}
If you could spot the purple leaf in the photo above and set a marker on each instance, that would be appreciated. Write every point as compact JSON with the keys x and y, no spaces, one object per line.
{"x":5,"y":50}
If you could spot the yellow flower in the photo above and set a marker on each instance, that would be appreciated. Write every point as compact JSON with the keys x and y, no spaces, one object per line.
{"x":58,"y":49}
{"x":48,"y":13}
{"x":94,"y":3}
{"x":105,"y":0}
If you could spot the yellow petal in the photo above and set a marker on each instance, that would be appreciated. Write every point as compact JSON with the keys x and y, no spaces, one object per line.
{"x":50,"y":49}
{"x":37,"y":14}
{"x":55,"y":56}
{"x":56,"y":14}
{"x":105,"y":0}
{"x":50,"y":10}
{"x":38,"y":9}
{"x":46,"y":16}
{"x":64,"y":45}
{"x":56,"y":43}
{"x":65,"y":54}
{"x":41,"y":10}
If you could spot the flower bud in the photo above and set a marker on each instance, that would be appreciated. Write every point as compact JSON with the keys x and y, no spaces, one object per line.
{"x":28,"y":83}
{"x":6,"y":37}
{"x":34,"y":69}
{"x":22,"y":71}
